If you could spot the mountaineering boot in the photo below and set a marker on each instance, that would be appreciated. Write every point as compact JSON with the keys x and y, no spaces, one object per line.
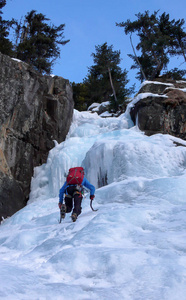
{"x":74,"y":217}
{"x":63,"y":211}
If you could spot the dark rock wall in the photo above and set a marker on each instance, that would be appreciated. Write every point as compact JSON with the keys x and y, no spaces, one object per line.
{"x":162,"y":109}
{"x":34,"y":111}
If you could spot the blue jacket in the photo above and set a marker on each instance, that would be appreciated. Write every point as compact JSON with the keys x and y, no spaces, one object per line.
{"x":85,"y":183}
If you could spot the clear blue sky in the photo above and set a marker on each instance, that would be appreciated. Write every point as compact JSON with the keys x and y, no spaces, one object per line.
{"x":90,"y":23}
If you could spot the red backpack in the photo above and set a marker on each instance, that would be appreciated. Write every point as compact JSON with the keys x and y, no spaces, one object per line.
{"x":75,"y":175}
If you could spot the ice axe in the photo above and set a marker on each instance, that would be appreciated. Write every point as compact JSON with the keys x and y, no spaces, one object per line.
{"x":91,"y":202}
{"x":92,"y":207}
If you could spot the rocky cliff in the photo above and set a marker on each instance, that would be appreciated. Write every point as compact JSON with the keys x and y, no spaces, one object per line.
{"x":161,"y":108}
{"x":34,"y":111}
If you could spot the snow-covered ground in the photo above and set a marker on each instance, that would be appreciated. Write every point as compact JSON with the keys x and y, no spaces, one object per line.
{"x":132,"y":248}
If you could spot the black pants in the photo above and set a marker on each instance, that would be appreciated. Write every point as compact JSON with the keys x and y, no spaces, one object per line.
{"x":73,"y":197}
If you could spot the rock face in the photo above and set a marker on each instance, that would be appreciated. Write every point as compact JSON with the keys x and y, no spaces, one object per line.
{"x":102,"y":109}
{"x":34,"y":111}
{"x":161,"y":108}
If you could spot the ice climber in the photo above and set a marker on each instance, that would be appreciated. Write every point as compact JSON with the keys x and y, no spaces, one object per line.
{"x":73,"y":190}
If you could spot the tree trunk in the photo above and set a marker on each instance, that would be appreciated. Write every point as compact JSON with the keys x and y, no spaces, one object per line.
{"x":143,"y":74}
{"x":111,"y":83}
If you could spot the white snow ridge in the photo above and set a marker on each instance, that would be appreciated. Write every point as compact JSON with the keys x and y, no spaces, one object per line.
{"x":132,"y":248}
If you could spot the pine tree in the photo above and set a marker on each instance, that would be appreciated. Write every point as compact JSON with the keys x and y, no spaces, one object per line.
{"x":178,"y":45}
{"x":6,"y":46}
{"x":37,"y":42}
{"x":80,"y":96}
{"x":159,"y":39}
{"x":105,"y":80}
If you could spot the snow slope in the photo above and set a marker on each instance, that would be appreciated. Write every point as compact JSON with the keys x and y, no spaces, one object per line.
{"x":132,"y":248}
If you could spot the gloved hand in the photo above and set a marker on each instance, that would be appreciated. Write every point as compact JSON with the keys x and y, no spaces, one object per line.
{"x":92,"y":197}
{"x":59,"y":204}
